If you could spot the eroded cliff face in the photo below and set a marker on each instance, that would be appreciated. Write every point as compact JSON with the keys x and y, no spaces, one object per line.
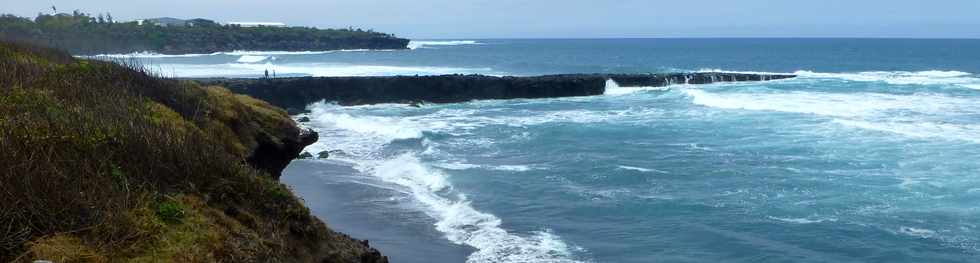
{"x":262,"y":134}
{"x":296,"y":93}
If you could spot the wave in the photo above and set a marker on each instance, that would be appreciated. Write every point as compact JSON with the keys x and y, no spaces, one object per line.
{"x":365,"y":139}
{"x":930,"y":77}
{"x":466,"y":166}
{"x":834,"y":104}
{"x":927,"y":77}
{"x":252,"y":59}
{"x":613,"y":88}
{"x":919,"y":129}
{"x":915,"y":115}
{"x":462,"y":223}
{"x":710,"y":70}
{"x":147,"y":54}
{"x":416,"y":44}
{"x":641,"y":169}
{"x":917,"y":232}
{"x":802,"y":220}
{"x":307,"y":69}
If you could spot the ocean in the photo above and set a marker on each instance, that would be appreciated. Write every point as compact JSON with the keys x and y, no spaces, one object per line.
{"x":869,"y":155}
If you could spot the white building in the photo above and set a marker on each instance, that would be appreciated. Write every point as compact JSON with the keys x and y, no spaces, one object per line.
{"x":257,"y":24}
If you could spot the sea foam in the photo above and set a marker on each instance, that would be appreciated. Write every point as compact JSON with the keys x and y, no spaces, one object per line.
{"x":930,"y":77}
{"x":252,"y":59}
{"x":613,"y":88}
{"x":307,"y":69}
{"x":365,"y":138}
{"x":155,"y":55}
{"x":416,"y":44}
{"x":462,"y":223}
{"x":914,"y":115}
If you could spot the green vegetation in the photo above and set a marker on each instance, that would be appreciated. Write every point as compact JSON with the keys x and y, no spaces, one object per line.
{"x":83,"y":34}
{"x":106,"y":163}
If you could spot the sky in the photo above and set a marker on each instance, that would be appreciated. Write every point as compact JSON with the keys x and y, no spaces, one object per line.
{"x":460,"y":19}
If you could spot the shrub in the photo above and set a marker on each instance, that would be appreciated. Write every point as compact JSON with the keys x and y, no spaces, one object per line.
{"x":170,"y":211}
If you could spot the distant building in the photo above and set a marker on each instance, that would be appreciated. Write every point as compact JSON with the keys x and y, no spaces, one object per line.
{"x":256,"y":24}
{"x":163,"y":21}
{"x":200,"y":22}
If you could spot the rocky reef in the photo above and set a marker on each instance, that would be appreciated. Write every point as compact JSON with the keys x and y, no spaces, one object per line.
{"x":296,"y":93}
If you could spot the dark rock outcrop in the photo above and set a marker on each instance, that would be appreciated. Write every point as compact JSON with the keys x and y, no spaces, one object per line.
{"x":297,"y":93}
{"x":272,"y":155}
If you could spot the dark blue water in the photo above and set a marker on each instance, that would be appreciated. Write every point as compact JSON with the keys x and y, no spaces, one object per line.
{"x":870,"y":155}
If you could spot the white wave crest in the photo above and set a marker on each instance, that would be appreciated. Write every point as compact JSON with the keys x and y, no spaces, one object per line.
{"x":930,"y":77}
{"x":802,"y":220}
{"x":912,"y":115}
{"x":641,"y":169}
{"x":917,"y":232}
{"x":416,"y":44}
{"x":359,"y":137}
{"x":147,"y":54}
{"x":613,"y":88}
{"x":920,"y":129}
{"x":833,"y":104}
{"x":714,"y":70}
{"x":252,"y":59}
{"x":927,"y":77}
{"x":364,"y":138}
{"x":462,"y":223}
{"x":307,"y":69}
{"x":466,"y":166}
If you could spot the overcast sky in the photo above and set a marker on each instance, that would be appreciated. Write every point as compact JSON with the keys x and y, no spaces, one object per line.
{"x":567,"y":18}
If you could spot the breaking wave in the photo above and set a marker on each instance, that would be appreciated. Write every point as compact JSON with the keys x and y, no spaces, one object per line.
{"x":917,"y":115}
{"x":365,"y":138}
{"x":307,"y":69}
{"x":416,"y":44}
{"x":151,"y":55}
{"x":613,"y":88}
{"x":252,"y":59}
{"x":930,"y":77}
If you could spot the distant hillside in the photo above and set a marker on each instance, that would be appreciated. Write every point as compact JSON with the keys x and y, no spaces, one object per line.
{"x":83,"y":34}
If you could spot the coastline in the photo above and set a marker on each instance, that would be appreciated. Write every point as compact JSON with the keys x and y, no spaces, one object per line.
{"x":152,"y":178}
{"x":403,"y":234}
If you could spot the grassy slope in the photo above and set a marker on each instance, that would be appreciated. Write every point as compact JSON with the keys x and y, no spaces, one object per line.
{"x":103,"y":163}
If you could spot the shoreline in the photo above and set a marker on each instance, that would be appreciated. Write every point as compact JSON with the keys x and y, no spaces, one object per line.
{"x":367,"y":213}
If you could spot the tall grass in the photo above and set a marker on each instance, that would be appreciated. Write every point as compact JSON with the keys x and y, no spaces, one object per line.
{"x":91,"y":152}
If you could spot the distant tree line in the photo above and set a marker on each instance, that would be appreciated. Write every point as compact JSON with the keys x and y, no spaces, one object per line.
{"x":84,"y":34}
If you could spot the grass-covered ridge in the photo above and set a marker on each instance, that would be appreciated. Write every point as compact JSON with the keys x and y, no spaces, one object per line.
{"x":83,"y":34}
{"x":104,"y":163}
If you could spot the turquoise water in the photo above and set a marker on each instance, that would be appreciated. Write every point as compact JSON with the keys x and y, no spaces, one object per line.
{"x":869,"y":156}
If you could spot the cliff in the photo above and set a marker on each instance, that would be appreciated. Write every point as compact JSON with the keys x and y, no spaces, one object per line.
{"x":82,"y":34}
{"x":106,"y":163}
{"x":296,"y":93}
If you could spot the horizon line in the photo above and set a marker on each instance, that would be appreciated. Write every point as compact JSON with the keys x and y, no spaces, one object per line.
{"x":695,"y":37}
